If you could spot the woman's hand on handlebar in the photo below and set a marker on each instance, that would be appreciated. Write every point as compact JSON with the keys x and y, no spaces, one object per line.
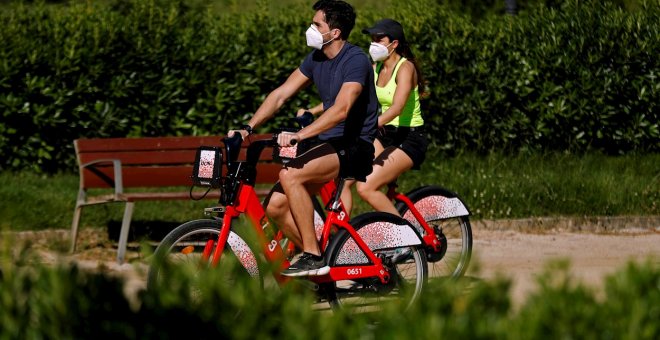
{"x":243,"y":133}
{"x":301,"y":112}
{"x":286,"y":139}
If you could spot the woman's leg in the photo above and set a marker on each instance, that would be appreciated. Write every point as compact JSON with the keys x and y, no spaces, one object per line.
{"x":347,"y":195}
{"x":389,"y":165}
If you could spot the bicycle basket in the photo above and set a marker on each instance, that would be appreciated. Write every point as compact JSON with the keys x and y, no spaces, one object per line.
{"x":207,"y":170}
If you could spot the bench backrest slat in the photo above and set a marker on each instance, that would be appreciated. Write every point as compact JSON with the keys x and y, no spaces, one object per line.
{"x":145,"y":143}
{"x":156,"y":161}
{"x":167,"y":176}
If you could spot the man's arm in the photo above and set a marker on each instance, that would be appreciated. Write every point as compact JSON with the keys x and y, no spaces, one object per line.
{"x":274,"y":101}
{"x":278,"y":97}
{"x":338,"y":112}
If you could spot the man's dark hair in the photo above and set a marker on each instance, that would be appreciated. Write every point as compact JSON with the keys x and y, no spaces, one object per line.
{"x":338,"y":14}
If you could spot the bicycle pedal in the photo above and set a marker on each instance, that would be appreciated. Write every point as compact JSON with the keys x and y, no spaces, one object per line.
{"x":214,"y":211}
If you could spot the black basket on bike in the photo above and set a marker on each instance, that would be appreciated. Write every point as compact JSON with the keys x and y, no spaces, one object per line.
{"x":207,"y":170}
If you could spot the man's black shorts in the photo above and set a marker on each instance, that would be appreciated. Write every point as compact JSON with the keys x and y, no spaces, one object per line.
{"x":355,"y":158}
{"x":411,"y":140}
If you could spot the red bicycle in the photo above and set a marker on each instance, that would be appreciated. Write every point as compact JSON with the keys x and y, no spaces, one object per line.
{"x":440,"y":216}
{"x":364,"y":255}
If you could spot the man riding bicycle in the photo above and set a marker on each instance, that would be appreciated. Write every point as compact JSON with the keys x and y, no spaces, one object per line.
{"x":344,"y":132}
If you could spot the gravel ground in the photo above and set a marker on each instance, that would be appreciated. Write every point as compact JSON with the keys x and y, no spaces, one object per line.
{"x":517,"y":249}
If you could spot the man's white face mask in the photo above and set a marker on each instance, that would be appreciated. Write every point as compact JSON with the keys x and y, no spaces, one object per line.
{"x":315,"y":38}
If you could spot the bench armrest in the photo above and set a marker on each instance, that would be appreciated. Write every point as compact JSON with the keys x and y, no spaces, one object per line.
{"x":117,"y":183}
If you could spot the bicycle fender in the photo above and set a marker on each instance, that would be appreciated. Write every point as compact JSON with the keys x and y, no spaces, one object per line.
{"x":378,"y":230}
{"x":243,"y":253}
{"x":443,"y":204}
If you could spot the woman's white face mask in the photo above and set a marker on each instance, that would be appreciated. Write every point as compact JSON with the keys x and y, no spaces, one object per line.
{"x":315,"y":38}
{"x":379,"y":52}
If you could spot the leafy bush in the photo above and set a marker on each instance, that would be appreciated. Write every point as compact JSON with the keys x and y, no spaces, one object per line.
{"x":576,"y":77}
{"x":66,"y":302}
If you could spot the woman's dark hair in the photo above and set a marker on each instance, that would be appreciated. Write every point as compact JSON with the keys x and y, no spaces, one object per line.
{"x":404,"y":50}
{"x":338,"y":14}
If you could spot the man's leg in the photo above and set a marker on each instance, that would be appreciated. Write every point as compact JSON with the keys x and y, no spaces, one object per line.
{"x":301,"y":175}
{"x":277,"y":209}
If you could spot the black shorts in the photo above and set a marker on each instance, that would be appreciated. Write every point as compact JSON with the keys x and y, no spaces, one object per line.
{"x":355,"y":158}
{"x":411,"y":140}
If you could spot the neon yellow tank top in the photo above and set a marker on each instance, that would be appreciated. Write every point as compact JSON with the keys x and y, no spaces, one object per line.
{"x":411,"y":115}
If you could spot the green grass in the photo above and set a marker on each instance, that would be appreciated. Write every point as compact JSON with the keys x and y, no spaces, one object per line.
{"x":496,"y":186}
{"x":493,"y":186}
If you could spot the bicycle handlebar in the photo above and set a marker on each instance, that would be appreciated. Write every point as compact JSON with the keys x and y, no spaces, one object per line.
{"x":232,"y":147}
{"x":305,"y":119}
{"x":233,"y":143}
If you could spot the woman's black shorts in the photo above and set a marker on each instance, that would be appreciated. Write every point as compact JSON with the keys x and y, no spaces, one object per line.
{"x":411,"y":140}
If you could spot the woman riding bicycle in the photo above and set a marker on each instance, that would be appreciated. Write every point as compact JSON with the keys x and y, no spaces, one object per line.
{"x":401,"y":144}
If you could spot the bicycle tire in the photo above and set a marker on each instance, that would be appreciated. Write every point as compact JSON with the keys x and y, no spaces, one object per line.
{"x":183,"y":246}
{"x":408,"y":275}
{"x":432,"y":201}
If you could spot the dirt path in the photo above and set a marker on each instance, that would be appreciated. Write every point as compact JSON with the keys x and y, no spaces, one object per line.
{"x":522,"y":256}
{"x":516,"y":249}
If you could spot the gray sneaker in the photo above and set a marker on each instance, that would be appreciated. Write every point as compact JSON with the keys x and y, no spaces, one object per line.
{"x":307,"y":265}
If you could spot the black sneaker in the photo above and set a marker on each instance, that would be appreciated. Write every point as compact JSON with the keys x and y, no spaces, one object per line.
{"x":307,"y":265}
{"x":398,"y":255}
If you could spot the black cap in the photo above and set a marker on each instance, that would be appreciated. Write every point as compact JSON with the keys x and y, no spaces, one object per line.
{"x":387,"y":27}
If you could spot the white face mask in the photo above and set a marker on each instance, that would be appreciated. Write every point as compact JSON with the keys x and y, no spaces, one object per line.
{"x":315,"y":38}
{"x":379,"y":52}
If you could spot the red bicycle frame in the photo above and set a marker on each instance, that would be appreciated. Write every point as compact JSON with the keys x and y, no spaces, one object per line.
{"x":429,"y":238}
{"x":246,"y":201}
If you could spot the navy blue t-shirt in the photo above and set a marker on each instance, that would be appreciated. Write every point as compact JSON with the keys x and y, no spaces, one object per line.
{"x":350,"y":65}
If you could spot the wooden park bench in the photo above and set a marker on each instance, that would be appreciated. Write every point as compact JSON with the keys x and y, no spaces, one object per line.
{"x":116,"y":164}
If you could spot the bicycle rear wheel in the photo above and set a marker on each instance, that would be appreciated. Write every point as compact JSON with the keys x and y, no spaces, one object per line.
{"x":406,"y":265}
{"x":446,"y":213}
{"x":184,"y":246}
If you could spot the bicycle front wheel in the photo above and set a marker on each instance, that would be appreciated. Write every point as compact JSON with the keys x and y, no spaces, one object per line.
{"x":189,"y":246}
{"x":406,"y":265}
{"x":447,"y":214}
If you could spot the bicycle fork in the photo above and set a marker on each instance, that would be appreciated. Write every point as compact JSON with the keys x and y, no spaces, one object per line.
{"x":430,"y":238}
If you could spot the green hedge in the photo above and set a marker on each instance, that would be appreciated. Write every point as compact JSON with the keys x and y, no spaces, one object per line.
{"x":63,"y":302}
{"x":578,"y":77}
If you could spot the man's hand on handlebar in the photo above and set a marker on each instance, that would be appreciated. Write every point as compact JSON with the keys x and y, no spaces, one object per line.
{"x":286,"y":139}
